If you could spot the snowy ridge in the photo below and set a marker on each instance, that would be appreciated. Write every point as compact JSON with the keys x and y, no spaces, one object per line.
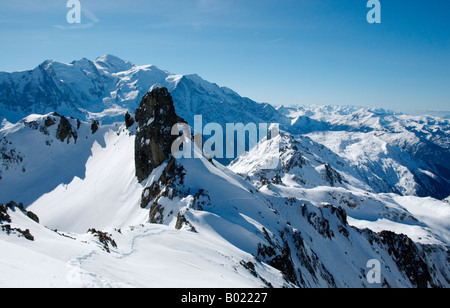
{"x":347,"y":189}
{"x":35,"y":158}
{"x":209,"y":225}
{"x":310,"y":172}
{"x":109,"y":87}
{"x":385,"y":167}
{"x":409,"y":154}
{"x":178,"y":259}
{"x":303,"y":163}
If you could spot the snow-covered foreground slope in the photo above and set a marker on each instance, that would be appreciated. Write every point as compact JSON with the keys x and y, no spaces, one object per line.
{"x":108,"y":198}
{"x":146,"y":256}
{"x":108,"y":195}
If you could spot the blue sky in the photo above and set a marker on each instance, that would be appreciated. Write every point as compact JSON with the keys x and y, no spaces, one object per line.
{"x":281,"y":52}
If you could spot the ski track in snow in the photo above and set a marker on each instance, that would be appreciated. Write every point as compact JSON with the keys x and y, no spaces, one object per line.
{"x":148,"y":233}
{"x":79,"y":274}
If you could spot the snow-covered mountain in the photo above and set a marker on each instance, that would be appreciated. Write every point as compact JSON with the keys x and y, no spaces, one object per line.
{"x":312,"y":172}
{"x":100,"y":200}
{"x":396,"y":152}
{"x":303,"y":163}
{"x":105,"y":89}
{"x":196,"y":223}
{"x":401,"y":153}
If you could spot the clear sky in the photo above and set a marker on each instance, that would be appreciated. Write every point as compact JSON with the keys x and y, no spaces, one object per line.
{"x":281,"y":52}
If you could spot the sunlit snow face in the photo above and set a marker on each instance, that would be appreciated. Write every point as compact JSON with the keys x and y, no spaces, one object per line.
{"x":218,"y":146}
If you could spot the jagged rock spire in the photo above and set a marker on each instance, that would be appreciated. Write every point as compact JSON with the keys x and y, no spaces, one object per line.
{"x":156,"y":116}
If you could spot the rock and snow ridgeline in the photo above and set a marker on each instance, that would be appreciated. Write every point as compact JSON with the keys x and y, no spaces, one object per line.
{"x":113,"y":195}
{"x":393,"y":152}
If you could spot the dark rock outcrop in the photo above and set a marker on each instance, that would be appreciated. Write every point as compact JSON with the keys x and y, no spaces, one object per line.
{"x":408,"y":258}
{"x":129,"y":121}
{"x":5,"y":220}
{"x":49,"y":122}
{"x":332,"y":176}
{"x":104,"y":238}
{"x":65,"y":130}
{"x":4,"y":216}
{"x":156,"y":117}
{"x":94,"y":126}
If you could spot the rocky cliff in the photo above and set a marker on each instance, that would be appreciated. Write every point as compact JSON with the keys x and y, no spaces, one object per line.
{"x":156,"y":116}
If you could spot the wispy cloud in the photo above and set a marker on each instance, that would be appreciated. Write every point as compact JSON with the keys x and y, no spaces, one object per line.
{"x":275,"y":41}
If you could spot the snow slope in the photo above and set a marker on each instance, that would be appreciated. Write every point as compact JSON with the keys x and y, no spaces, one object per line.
{"x":410,"y":154}
{"x":302,"y":163}
{"x":384,"y":166}
{"x":34,"y":161}
{"x":146,"y":256}
{"x":203,"y":225}
{"x":107,"y":195}
{"x":312,"y":173}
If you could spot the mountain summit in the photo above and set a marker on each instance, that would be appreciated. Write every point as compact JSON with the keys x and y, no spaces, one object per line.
{"x":391,"y":152}
{"x":113,"y":64}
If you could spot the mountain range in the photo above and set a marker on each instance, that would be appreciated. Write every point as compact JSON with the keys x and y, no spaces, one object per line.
{"x":392,"y":152}
{"x":98,"y":200}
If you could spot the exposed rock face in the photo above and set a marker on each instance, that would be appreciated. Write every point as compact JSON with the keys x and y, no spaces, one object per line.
{"x":408,"y":258}
{"x":49,"y":122}
{"x":6,"y":220}
{"x":65,"y":130}
{"x":104,"y":238}
{"x":156,"y":117}
{"x":129,"y":120}
{"x":4,"y":216}
{"x":94,"y":126}
{"x":332,"y":176}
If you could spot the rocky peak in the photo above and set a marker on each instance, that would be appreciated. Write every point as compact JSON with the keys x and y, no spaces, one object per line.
{"x":155,"y":117}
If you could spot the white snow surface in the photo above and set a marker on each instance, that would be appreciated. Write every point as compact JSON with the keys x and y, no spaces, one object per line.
{"x":229,"y":230}
{"x":107,"y":198}
{"x":371,"y":163}
{"x":300,"y":171}
{"x":148,"y":256}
